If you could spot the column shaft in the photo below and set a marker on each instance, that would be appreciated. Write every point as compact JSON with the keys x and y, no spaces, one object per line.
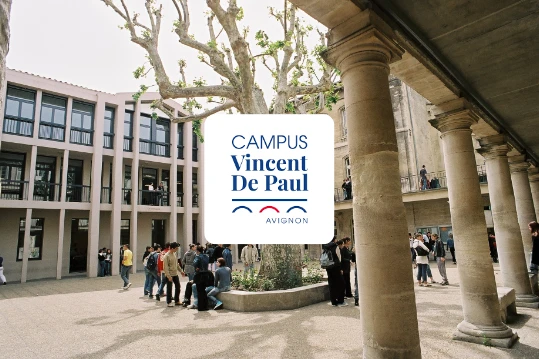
{"x":61,"y":234}
{"x":117,"y":188}
{"x":188,"y":184}
{"x":534,"y":187}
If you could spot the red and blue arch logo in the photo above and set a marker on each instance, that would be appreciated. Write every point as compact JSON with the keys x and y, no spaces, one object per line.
{"x":267,"y":205}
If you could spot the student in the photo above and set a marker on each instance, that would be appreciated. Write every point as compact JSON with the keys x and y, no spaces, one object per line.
{"x":171,"y":268}
{"x":534,"y":262}
{"x":248,"y":257}
{"x":451,"y":247}
{"x":335,"y":278}
{"x":127,"y":263}
{"x":422,"y":260}
{"x":222,"y":281}
{"x":160,"y":272}
{"x":188,"y":259}
{"x":346,"y":258}
{"x":2,"y":277}
{"x":227,"y":255}
{"x":439,"y":253}
{"x":108,"y":263}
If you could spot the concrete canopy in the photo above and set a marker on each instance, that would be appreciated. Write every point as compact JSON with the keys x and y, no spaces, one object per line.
{"x":483,"y":50}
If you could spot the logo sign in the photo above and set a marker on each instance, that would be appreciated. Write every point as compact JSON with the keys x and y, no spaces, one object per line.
{"x":268,"y":179}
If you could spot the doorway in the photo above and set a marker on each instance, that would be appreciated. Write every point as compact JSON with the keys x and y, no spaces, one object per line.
{"x":158,"y":232}
{"x":79,"y":246}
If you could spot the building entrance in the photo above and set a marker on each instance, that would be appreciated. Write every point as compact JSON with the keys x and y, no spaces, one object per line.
{"x":158,"y":232}
{"x":79,"y":246}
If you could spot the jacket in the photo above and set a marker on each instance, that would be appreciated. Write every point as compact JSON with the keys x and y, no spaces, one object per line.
{"x":200,"y":264}
{"x":170,"y":264}
{"x":227,"y":255}
{"x":249,"y":255}
{"x":439,"y":250}
{"x":421,"y":259}
{"x":332,"y":247}
{"x":346,"y":257}
{"x":188,"y":260}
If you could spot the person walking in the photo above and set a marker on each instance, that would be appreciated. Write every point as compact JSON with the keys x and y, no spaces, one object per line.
{"x":227,"y":255}
{"x":439,"y":253}
{"x":451,"y":247}
{"x":161,"y":272}
{"x":429,"y":245}
{"x":2,"y":277}
{"x":335,"y":278}
{"x":248,"y":257}
{"x":422,"y":260}
{"x":152,"y":265}
{"x":534,"y":262}
{"x":412,"y":251}
{"x":127,"y":263}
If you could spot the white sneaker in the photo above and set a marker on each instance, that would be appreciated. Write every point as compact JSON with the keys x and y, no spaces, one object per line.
{"x":128,"y":285}
{"x":170,"y":304}
{"x":191,"y":306}
{"x":344,"y":304}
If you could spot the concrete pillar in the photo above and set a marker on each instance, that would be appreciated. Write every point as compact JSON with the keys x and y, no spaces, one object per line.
{"x":533,"y":175}
{"x":479,"y":296}
{"x":173,"y":186}
{"x":63,"y":189}
{"x":26,"y":245}
{"x":133,"y":223}
{"x":61,"y":233}
{"x":37,"y":113}
{"x":200,"y":221}
{"x":117,"y":187}
{"x":95,"y":188}
{"x":69,"y":110}
{"x":523,"y":200}
{"x":388,"y":311}
{"x":504,"y":214}
{"x":188,"y":183}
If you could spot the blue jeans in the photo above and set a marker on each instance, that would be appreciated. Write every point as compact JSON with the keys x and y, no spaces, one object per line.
{"x":250,"y":268}
{"x":108,"y":268}
{"x":147,"y":280}
{"x":101,"y":269}
{"x":191,"y":276}
{"x":422,"y":272}
{"x":212,"y":292}
{"x":153,"y":279}
{"x":429,"y":273}
{"x":195,"y":295}
{"x":125,"y":274}
{"x":356,"y":289}
{"x":164,"y":281}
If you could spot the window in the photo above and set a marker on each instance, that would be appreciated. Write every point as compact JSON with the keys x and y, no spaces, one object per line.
{"x":128,"y":131}
{"x":195,"y":189}
{"x":344,"y":127}
{"x":347,"y":172}
{"x":195,"y":147}
{"x":12,"y":176}
{"x":125,"y":232}
{"x":53,"y":118}
{"x":82,"y":123}
{"x":36,"y":239}
{"x":154,"y":136}
{"x":180,"y":141}
{"x":108,"y":128}
{"x":19,"y":113}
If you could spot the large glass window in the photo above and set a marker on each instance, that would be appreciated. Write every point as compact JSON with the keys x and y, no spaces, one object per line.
{"x":19,"y":113}
{"x":195,"y":147}
{"x":154,"y":136}
{"x":12,"y":176}
{"x":108,"y":128}
{"x":53,"y":117}
{"x":125,"y":232}
{"x":180,"y":141}
{"x":82,"y":123}
{"x":36,"y":239}
{"x":128,"y":131}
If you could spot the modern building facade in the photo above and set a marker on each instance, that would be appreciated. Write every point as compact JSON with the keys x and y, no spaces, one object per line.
{"x":83,"y":170}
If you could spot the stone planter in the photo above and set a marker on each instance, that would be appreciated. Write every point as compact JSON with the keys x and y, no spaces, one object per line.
{"x":242,"y":301}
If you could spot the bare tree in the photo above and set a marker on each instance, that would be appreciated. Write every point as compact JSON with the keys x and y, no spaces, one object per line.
{"x":5,"y":9}
{"x":296,"y":72}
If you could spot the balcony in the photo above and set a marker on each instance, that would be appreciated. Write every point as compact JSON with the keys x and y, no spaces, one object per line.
{"x":180,"y":152}
{"x":128,"y":144}
{"x":19,"y":126}
{"x":81,"y":137}
{"x":126,"y":196}
{"x":45,"y":191}
{"x":106,"y":195}
{"x":154,"y":148}
{"x":179,"y":200}
{"x":51,"y":132}
{"x":108,"y":141}
{"x":195,"y":200}
{"x":77,"y":193}
{"x":153,"y":198}
{"x":14,"y":190}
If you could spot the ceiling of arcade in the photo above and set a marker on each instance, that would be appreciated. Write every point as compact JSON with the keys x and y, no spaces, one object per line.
{"x":483,"y":50}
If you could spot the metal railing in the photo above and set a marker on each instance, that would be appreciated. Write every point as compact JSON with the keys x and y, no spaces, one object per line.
{"x":45,"y":191}
{"x":154,"y":148}
{"x":180,"y":152}
{"x":19,"y":126}
{"x":82,"y":137}
{"x":128,"y":144}
{"x":195,"y":200}
{"x":106,"y":195}
{"x":51,"y":132}
{"x":179,"y":200}
{"x":14,"y":190}
{"x":153,"y":198}
{"x":126,"y":196}
{"x":108,"y":141}
{"x":78,"y":193}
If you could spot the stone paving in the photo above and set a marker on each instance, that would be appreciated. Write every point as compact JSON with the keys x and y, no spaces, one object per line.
{"x":94,"y":318}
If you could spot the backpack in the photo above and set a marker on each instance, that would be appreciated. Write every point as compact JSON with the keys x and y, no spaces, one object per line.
{"x":151,"y":264}
{"x":421,"y":252}
{"x":326,"y":259}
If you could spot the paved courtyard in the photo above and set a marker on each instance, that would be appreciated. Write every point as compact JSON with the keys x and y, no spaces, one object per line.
{"x":94,"y":318}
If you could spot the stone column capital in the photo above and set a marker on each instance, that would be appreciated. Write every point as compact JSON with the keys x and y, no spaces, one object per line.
{"x":518,"y":164}
{"x":493,"y":146}
{"x":533,"y":174}
{"x":454,"y":120}
{"x":371,"y":45}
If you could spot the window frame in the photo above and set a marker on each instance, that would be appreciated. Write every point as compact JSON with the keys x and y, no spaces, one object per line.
{"x":129,"y":136}
{"x":109,"y":134}
{"x":20,"y":242}
{"x":52,"y":123}
{"x":19,"y":118}
{"x":90,"y":131}
{"x":153,"y":134}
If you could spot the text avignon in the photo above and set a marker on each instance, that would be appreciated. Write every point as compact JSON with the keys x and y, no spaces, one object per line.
{"x":289,"y":220}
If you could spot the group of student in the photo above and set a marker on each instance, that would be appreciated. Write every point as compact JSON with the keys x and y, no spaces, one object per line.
{"x":163,"y":266}
{"x":339,"y":272}
{"x":105,"y":262}
{"x":421,"y":245}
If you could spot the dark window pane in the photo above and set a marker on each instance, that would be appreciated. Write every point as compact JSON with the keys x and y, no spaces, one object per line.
{"x":83,"y":107}
{"x":76,"y":120}
{"x":21,"y":94}
{"x":46,"y":114}
{"x":60,"y":102}
{"x":12,"y":108}
{"x":59,"y":117}
{"x":27,"y":110}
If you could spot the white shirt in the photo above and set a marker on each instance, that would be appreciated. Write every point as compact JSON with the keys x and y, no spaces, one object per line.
{"x":421,"y":259}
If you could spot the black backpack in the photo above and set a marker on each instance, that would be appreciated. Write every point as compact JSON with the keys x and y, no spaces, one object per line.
{"x":421,"y":251}
{"x":326,"y":259}
{"x":151,"y":264}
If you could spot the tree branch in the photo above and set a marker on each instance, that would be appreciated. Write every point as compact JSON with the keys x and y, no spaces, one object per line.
{"x":159,"y":104}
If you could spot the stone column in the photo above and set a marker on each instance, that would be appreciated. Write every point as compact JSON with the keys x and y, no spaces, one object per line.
{"x":173,"y":186}
{"x":188,"y":184}
{"x":523,"y":200}
{"x":60,"y":249}
{"x":479,"y":296}
{"x":533,"y":175}
{"x":504,"y":213}
{"x":388,"y":310}
{"x":133,"y":223}
{"x":117,"y":187}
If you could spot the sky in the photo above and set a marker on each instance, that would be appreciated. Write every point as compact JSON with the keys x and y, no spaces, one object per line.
{"x":78,"y":41}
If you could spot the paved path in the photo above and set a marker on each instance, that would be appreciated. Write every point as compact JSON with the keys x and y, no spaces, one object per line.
{"x":94,"y":318}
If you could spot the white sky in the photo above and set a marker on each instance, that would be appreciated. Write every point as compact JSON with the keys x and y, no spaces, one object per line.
{"x":78,"y":41}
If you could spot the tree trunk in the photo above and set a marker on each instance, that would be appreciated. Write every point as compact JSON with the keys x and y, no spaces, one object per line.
{"x":282,"y":263}
{"x":5,"y":8}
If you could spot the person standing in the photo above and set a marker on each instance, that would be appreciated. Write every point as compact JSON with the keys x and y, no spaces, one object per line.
{"x":160,"y":272}
{"x":412,"y":251}
{"x":534,"y":262}
{"x":335,"y":278}
{"x":439,"y":253}
{"x":345,"y":193}
{"x":218,"y":252}
{"x":188,"y":259}
{"x":152,"y":265}
{"x":428,"y":244}
{"x":422,"y":260}
{"x":423,"y":176}
{"x":493,"y":247}
{"x":451,"y":247}
{"x":349,"y":188}
{"x":356,"y":286}
{"x":101,"y":258}
{"x":127,"y":263}
{"x":202,"y":279}
{"x":147,"y":278}
{"x":346,"y":258}
{"x":2,"y":277}
{"x":108,"y":263}
{"x":209,"y":252}
{"x":248,"y":257}
{"x":227,"y":255}
{"x":171,"y":267}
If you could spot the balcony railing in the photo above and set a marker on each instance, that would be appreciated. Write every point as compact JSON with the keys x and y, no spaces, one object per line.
{"x":126,"y":196}
{"x":78,"y":193}
{"x":14,"y":190}
{"x":45,"y":191}
{"x":108,"y":141}
{"x":180,"y":152}
{"x":106,"y":195}
{"x":81,"y":137}
{"x":154,"y":148}
{"x":195,"y":200}
{"x":19,"y":126}
{"x":153,"y":198}
{"x":195,"y":154}
{"x":128,"y":144}
{"x":179,"y":200}
{"x":51,"y":132}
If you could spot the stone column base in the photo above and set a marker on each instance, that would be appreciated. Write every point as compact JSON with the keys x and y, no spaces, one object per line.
{"x":501,"y":336}
{"x":527,"y":301}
